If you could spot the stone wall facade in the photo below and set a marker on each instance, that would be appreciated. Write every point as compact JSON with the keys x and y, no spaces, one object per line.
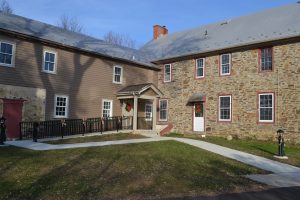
{"x":33,"y":107}
{"x":244,"y":84}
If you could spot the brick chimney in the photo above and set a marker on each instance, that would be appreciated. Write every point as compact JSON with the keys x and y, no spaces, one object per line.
{"x":159,"y":31}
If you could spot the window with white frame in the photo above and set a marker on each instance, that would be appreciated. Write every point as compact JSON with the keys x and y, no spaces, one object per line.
{"x":107,"y":108}
{"x":117,"y":75}
{"x":167,"y":73}
{"x":163,"y":110}
{"x":148,"y":111}
{"x":49,"y":64}
{"x":225,"y":64}
{"x":266,"y":107}
{"x":61,"y":106}
{"x":6,"y":53}
{"x":266,"y":59}
{"x":200,"y":64}
{"x":225,"y":108}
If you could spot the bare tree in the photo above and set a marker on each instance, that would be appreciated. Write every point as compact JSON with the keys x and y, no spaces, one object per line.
{"x":119,"y":39}
{"x":5,"y":7}
{"x":70,"y":23}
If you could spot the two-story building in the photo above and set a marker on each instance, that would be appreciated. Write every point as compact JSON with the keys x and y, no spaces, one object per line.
{"x":236,"y":77}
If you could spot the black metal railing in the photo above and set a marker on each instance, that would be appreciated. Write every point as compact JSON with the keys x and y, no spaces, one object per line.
{"x":144,"y":123}
{"x":61,"y":128}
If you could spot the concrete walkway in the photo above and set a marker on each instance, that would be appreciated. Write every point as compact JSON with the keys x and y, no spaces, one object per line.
{"x":43,"y":146}
{"x":284,"y":175}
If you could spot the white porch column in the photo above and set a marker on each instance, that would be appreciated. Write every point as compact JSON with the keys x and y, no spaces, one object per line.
{"x":135,"y":112}
{"x":154,"y":109}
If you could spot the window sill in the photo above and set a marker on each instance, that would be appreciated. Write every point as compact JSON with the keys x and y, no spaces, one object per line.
{"x":7,"y":65}
{"x":48,"y":72}
{"x":118,"y":83}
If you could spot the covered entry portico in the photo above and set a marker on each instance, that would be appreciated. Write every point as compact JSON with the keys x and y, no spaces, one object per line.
{"x":140,"y":102}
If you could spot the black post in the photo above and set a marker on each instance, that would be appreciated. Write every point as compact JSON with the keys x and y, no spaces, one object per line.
{"x":35,"y":131}
{"x":280,"y":138}
{"x":2,"y":130}
{"x":117,"y":120}
{"x":63,"y":124}
{"x":101,"y":123}
{"x":20,"y":128}
{"x":83,"y":126}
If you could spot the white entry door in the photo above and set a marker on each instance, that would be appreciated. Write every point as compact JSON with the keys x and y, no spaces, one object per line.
{"x":198,"y":117}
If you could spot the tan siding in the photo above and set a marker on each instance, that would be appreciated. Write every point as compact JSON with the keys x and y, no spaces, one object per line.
{"x":85,"y":79}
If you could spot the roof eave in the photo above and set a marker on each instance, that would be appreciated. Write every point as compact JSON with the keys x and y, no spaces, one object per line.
{"x":147,"y":65}
{"x":195,"y":54}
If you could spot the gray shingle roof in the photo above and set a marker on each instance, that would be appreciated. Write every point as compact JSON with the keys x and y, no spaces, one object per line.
{"x":134,"y":88}
{"x":58,"y":35}
{"x":277,"y":23}
{"x":273,"y":24}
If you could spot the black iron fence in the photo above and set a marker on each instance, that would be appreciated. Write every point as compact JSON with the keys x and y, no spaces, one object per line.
{"x":144,"y":123}
{"x":61,"y":128}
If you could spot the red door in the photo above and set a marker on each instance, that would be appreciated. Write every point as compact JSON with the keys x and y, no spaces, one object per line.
{"x":12,"y":111}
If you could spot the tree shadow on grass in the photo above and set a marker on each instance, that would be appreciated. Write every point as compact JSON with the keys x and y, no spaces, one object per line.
{"x":62,"y":181}
{"x":263,"y":150}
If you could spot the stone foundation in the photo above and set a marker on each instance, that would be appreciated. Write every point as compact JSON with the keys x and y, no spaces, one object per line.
{"x":34,"y":106}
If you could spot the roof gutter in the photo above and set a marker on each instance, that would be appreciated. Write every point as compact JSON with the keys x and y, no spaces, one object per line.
{"x":279,"y":40}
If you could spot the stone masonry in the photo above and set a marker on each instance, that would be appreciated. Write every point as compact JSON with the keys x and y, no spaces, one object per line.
{"x":34,"y":106}
{"x":244,"y":84}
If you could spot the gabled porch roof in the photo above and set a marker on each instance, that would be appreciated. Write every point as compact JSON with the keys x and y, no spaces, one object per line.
{"x":133,"y":90}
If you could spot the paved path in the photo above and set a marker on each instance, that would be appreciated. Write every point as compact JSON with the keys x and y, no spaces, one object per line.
{"x":43,"y":146}
{"x":286,"y":193}
{"x":284,"y":175}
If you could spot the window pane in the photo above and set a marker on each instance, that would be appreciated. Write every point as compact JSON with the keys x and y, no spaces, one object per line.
{"x":225,"y":108}
{"x":266,"y":59}
{"x":6,"y":48}
{"x":52,"y":57}
{"x":47,"y":57}
{"x":225,"y":69}
{"x":2,"y":58}
{"x":7,"y":59}
{"x":167,"y":73}
{"x":225,"y":59}
{"x":266,"y":107}
{"x":117,"y":78}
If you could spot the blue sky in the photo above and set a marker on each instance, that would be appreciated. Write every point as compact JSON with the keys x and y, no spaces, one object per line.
{"x":137,"y":17}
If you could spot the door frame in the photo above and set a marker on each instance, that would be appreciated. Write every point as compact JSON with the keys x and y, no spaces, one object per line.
{"x":18,"y":102}
{"x":147,"y":104}
{"x":204,"y":118}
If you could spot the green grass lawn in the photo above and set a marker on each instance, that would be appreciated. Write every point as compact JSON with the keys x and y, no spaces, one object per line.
{"x":261,"y":148}
{"x":97,"y":138}
{"x":136,"y":171}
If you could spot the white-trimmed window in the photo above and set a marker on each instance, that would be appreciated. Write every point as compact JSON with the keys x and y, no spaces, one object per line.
{"x":225,"y":108}
{"x":7,"y":53}
{"x":107,"y":106}
{"x":118,"y":74}
{"x":200,"y":68}
{"x":148,"y":111}
{"x":163,"y":110}
{"x":266,"y":107}
{"x":49,"y":62}
{"x":167,"y":73}
{"x":266,"y":59}
{"x":61,"y":106}
{"x":225,"y":64}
